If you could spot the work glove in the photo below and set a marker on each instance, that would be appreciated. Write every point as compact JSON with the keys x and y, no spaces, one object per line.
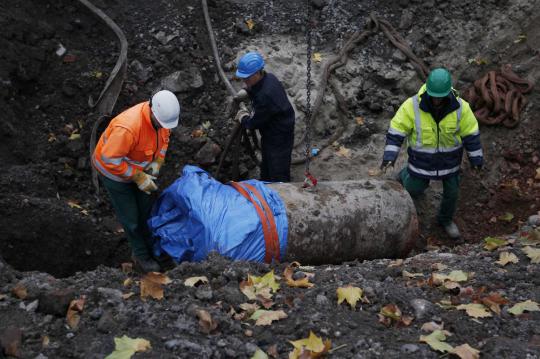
{"x":145,"y":182}
{"x":241,"y":95}
{"x":386,"y":164}
{"x":154,"y":167}
{"x":242,"y":112}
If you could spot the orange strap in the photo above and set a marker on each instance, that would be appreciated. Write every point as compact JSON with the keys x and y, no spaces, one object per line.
{"x":271,"y":240}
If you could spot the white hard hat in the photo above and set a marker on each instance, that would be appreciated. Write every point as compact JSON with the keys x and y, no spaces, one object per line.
{"x":166,"y":108}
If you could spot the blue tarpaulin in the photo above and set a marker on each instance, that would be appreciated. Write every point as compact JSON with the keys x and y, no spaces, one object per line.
{"x":197,"y":214}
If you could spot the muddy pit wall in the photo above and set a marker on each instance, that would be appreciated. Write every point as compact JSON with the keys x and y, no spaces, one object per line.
{"x":344,"y":221}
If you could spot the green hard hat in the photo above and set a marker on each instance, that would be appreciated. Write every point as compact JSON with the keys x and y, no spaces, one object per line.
{"x":439,"y":83}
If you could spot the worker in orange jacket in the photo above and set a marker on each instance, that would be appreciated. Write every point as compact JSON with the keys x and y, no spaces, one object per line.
{"x":128,"y":157}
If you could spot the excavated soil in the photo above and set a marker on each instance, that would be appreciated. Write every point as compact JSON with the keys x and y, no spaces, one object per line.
{"x":57,"y":56}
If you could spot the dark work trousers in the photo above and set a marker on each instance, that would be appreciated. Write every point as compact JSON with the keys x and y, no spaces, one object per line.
{"x":132,"y":207}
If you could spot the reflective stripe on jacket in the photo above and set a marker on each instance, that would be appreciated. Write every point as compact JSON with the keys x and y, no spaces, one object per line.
{"x":435,"y":149}
{"x":129,"y":144}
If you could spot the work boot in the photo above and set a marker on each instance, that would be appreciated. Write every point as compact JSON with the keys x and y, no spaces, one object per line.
{"x":452,"y":230}
{"x":145,"y":265}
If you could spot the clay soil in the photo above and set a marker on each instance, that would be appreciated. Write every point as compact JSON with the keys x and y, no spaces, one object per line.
{"x":59,"y":239}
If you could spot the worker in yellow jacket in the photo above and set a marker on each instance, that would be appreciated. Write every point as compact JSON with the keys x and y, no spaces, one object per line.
{"x":128,"y":157}
{"x":437,"y":124}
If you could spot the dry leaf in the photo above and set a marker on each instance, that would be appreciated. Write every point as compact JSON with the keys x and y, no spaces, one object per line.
{"x":537,"y":176}
{"x":250,"y":24}
{"x":193,"y":281}
{"x":310,"y":347}
{"x":453,"y":276}
{"x":391,"y":313}
{"x":465,"y":351}
{"x":374,"y":172}
{"x":151,"y":285}
{"x":125,"y":347}
{"x":299,"y":283}
{"x":436,"y":341}
{"x":432,"y":326}
{"x":127,"y":267}
{"x":359,"y":120}
{"x":494,"y":242}
{"x":507,"y":257}
{"x":249,"y":307}
{"x":410,"y":275}
{"x":73,"y":314}
{"x":494,"y":301}
{"x":475,"y":310}
{"x":266,"y":317}
{"x":260,"y":287}
{"x":317,"y":57}
{"x":396,"y":263}
{"x":45,"y":341}
{"x":507,"y":217}
{"x":351,"y":295}
{"x":344,"y":152}
{"x":126,"y":296}
{"x":197,"y":133}
{"x":532,"y":253}
{"x":19,"y":291}
{"x":74,"y":136}
{"x":527,"y":305}
{"x":259,"y":354}
{"x":74,"y":204}
{"x":128,"y":282}
{"x":206,"y":323}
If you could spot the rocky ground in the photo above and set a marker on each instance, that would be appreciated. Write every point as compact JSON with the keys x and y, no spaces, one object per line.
{"x":58,"y":56}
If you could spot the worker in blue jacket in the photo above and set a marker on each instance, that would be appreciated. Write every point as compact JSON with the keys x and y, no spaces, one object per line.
{"x":438,"y":125}
{"x":273,"y":115}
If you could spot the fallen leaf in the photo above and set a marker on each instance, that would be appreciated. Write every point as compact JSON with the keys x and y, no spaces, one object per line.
{"x":465,"y":351}
{"x":494,"y":242}
{"x":317,"y":57}
{"x":310,"y":347}
{"x":75,"y":309}
{"x":391,"y":313}
{"x":266,"y":317}
{"x":206,"y":324}
{"x":520,"y":38}
{"x":126,"y":296}
{"x":250,"y":24}
{"x":261,"y":287}
{"x":407,"y":274}
{"x":475,"y":310}
{"x":197,"y":133}
{"x":439,"y":266}
{"x":507,"y":217}
{"x":298,"y":283}
{"x":494,"y":301}
{"x":343,"y":152}
{"x":45,"y":341}
{"x":396,"y":263}
{"x":127,"y":267}
{"x":19,"y":291}
{"x":527,"y":305}
{"x":446,"y":304}
{"x":374,"y":172}
{"x":432,"y":326}
{"x":453,"y":276}
{"x":125,"y":347}
{"x":436,"y":341}
{"x":359,"y":120}
{"x":507,"y":257}
{"x":249,"y":307}
{"x":193,"y":281}
{"x":537,"y":176}
{"x":151,"y":285}
{"x":52,"y":138}
{"x":532,"y":253}
{"x":351,"y":295}
{"x":74,"y":136}
{"x":128,"y":282}
{"x":259,"y":354}
{"x":74,"y":204}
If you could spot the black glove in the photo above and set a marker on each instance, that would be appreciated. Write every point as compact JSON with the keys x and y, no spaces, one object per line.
{"x":386,"y":164}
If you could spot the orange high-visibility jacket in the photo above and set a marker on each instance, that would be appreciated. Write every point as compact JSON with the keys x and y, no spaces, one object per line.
{"x":129,"y":144}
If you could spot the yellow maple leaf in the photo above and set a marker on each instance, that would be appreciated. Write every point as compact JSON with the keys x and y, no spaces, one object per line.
{"x":310,"y":347}
{"x":527,"y":305}
{"x":507,"y":257}
{"x":298,"y":283}
{"x":465,"y":351}
{"x":317,"y":57}
{"x":193,"y":281}
{"x":266,"y":317}
{"x":532,"y":253}
{"x":475,"y":310}
{"x":260,"y":286}
{"x":436,"y":341}
{"x":125,"y":347}
{"x":494,"y":242}
{"x":350,"y":294}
